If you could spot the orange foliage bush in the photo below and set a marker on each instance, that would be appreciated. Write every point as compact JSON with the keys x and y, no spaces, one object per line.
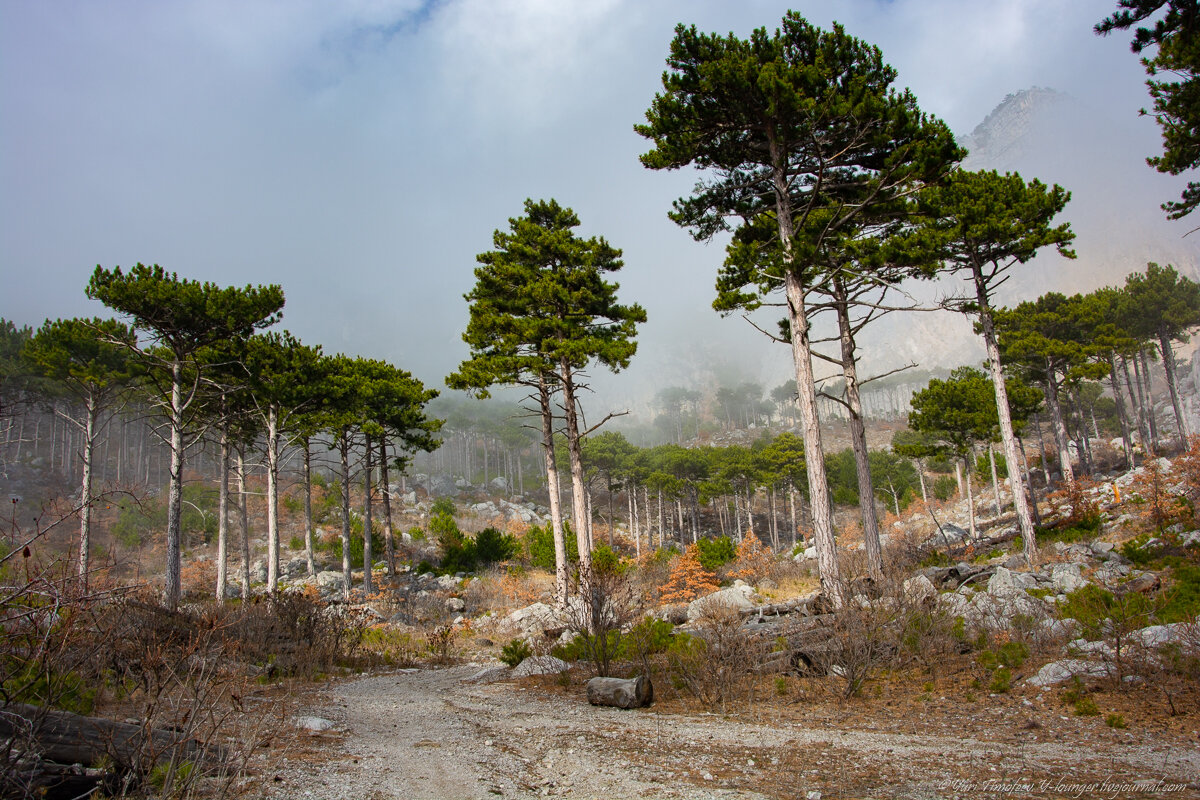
{"x":688,"y":579}
{"x":753,"y":560}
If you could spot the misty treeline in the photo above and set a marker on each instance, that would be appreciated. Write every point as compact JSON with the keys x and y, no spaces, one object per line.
{"x":193,"y":381}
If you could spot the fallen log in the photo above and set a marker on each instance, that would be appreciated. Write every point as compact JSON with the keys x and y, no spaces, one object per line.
{"x":75,"y":739}
{"x":620,"y":692}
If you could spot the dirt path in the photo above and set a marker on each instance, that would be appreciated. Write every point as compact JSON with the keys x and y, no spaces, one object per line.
{"x":434,"y":734}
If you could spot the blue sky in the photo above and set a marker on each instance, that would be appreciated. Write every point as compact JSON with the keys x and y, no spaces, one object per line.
{"x":361,"y":153}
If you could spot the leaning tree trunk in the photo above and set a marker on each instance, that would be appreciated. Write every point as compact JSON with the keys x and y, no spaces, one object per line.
{"x":858,"y":436}
{"x":560,"y":543}
{"x":810,"y":424}
{"x":1168,"y":357}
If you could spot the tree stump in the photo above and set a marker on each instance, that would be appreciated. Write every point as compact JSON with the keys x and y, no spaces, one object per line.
{"x":620,"y":692}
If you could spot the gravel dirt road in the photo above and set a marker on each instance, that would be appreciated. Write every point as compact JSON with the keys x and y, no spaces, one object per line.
{"x":436,"y":734}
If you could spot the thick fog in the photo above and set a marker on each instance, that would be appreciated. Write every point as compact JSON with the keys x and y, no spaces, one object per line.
{"x":362,"y":153}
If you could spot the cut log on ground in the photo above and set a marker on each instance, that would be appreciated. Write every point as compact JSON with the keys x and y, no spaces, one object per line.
{"x":74,"y":739}
{"x":621,"y":692}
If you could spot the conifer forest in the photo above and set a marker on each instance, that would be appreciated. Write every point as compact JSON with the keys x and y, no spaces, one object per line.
{"x":907,"y":505}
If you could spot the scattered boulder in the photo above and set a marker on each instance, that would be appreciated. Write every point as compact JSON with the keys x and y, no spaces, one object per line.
{"x":736,"y":597}
{"x":330,"y":581}
{"x":540,"y":665}
{"x":1060,"y":671}
{"x":1005,"y":581}
{"x":620,"y":692}
{"x":313,"y":724}
{"x":919,"y":590}
{"x":456,"y":605}
{"x":489,"y":675}
{"x":1143,"y":582}
{"x":1067,"y":578}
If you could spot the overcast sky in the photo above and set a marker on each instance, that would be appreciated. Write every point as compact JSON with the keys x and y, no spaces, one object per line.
{"x":361,"y":153}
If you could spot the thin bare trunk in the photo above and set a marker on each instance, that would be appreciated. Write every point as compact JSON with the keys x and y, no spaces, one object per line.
{"x":223,"y":516}
{"x":385,"y":492}
{"x":1059,"y":427}
{"x":309,"y":548}
{"x":1168,"y":357}
{"x":1122,"y":414}
{"x":561,"y":574}
{"x":272,"y":499}
{"x":344,"y":453}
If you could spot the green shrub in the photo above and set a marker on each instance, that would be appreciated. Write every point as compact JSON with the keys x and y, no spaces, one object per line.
{"x":296,"y":543}
{"x":539,"y":542}
{"x":515,"y":652}
{"x":491,"y":546}
{"x":1001,"y":681}
{"x":294,"y":505}
{"x":944,"y":487}
{"x":1115,"y":721}
{"x":606,"y":561}
{"x":1086,"y":707}
{"x":716,"y":552}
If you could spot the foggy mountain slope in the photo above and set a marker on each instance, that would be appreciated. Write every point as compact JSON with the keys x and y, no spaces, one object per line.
{"x":1099,"y":156}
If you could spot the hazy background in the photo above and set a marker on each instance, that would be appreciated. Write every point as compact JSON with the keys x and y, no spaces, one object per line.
{"x":362,"y":153}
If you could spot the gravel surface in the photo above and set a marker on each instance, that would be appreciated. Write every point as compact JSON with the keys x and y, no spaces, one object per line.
{"x":436,"y":734}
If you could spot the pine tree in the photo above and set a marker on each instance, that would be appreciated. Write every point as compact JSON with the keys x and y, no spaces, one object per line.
{"x":688,"y":579}
{"x":801,"y":132}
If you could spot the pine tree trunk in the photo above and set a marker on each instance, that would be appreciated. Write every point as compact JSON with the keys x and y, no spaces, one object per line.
{"x":792,"y":514}
{"x":1148,"y":379}
{"x":1122,"y":413}
{"x":798,"y":323}
{"x":561,"y":567}
{"x":995,"y":480}
{"x":1168,"y":358}
{"x":578,"y":494}
{"x":1059,"y":427}
{"x":970,"y":507}
{"x":368,"y":522}
{"x":244,"y":516}
{"x":385,"y":492}
{"x":272,"y":499}
{"x":858,"y":434}
{"x":921,"y":480}
{"x":1134,"y":385}
{"x":223,"y":516}
{"x":344,"y":453}
{"x":85,"y":493}
{"x":309,"y":548}
{"x":175,"y":490}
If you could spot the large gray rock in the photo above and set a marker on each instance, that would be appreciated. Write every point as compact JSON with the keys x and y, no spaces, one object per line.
{"x":1066,"y":578}
{"x":532,"y":620}
{"x":620,"y":692}
{"x":736,"y":597}
{"x":540,"y":665}
{"x":919,"y":590}
{"x":499,"y":484}
{"x":997,"y":611}
{"x":258,"y":572}
{"x":1156,"y":636}
{"x":331,"y":581}
{"x":1060,"y":671}
{"x":1005,"y":581}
